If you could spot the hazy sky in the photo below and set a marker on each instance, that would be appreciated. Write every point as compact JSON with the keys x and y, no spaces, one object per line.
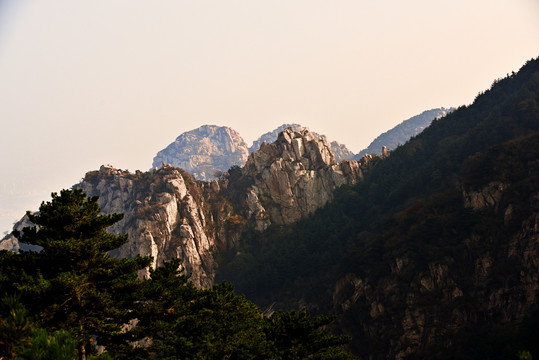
{"x":90,"y":82}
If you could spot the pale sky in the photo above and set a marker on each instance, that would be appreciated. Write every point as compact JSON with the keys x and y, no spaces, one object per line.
{"x":91,"y":82}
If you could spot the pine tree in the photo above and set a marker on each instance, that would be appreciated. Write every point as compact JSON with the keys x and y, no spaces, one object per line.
{"x":73,"y":283}
{"x":15,"y":327}
{"x":78,"y":294}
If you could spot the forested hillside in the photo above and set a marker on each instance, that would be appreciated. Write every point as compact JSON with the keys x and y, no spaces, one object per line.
{"x":73,"y":300}
{"x":439,"y":240}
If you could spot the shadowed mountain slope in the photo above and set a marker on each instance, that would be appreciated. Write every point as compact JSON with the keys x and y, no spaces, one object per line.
{"x":434,"y":254}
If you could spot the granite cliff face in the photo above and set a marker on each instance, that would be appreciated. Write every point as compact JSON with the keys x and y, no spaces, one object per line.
{"x":296,"y":175}
{"x":271,"y":136}
{"x":211,"y":150}
{"x":165,"y":215}
{"x":205,"y":152}
{"x":168,"y":214}
{"x":340,"y":151}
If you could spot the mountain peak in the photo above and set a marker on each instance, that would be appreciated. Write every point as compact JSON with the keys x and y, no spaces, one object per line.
{"x":205,"y":151}
{"x":295,"y":175}
{"x":340,"y":151}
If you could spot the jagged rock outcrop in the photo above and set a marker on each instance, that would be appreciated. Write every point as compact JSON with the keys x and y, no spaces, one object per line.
{"x":271,"y":136}
{"x":205,"y":152}
{"x":488,"y":197}
{"x":404,"y":131}
{"x":168,"y":214}
{"x":165,"y":214}
{"x":211,"y":150}
{"x":10,"y":242}
{"x":296,"y":175}
{"x":340,"y":151}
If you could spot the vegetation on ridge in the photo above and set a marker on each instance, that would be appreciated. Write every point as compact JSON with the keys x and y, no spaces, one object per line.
{"x":72,"y":298}
{"x":411,"y":205}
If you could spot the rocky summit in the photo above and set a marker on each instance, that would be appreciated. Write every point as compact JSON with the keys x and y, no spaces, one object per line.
{"x":340,"y":151}
{"x":165,"y":215}
{"x":205,"y":152}
{"x":168,"y":214}
{"x":210,"y":150}
{"x":296,"y":175}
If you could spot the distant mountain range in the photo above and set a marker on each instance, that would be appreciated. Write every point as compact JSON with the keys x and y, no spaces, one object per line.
{"x":401,"y":133}
{"x":210,"y":150}
{"x":429,"y":252}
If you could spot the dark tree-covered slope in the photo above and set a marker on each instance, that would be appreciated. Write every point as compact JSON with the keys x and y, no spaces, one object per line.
{"x":438,"y":242}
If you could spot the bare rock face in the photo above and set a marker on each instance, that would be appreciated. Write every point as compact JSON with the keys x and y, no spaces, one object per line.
{"x":296,"y":175}
{"x":205,"y":152}
{"x":10,"y":242}
{"x":169,"y":215}
{"x":488,"y":197}
{"x":165,"y":215}
{"x":340,"y":151}
{"x":271,"y":136}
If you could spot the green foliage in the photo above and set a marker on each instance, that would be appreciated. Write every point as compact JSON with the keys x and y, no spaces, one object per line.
{"x":81,"y":297}
{"x":22,"y":339}
{"x":220,"y":325}
{"x":188,"y":323}
{"x":163,"y":299}
{"x":72,"y":283}
{"x":44,"y":346}
{"x":297,"y":335}
{"x":15,"y":327}
{"x":237,"y":184}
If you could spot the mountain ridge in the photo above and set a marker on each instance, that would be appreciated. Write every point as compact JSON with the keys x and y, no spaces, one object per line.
{"x":169,"y":214}
{"x":434,"y":253}
{"x":208,"y":151}
{"x":430,"y":252}
{"x":401,"y":133}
